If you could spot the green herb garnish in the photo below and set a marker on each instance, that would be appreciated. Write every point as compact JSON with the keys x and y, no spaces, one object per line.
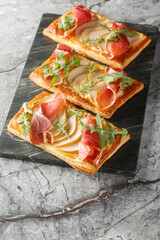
{"x":24,"y":120}
{"x":89,"y":86}
{"x":105,"y":135}
{"x":66,"y":22}
{"x":115,"y":35}
{"x":93,"y":41}
{"x":125,"y":80}
{"x":86,"y":88}
{"x":61,"y":125}
{"x":104,"y":26}
{"x":91,"y":69}
{"x":78,"y":112}
{"x":61,"y":64}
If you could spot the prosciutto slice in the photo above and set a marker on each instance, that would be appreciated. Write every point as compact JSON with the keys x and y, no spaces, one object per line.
{"x":81,"y":15}
{"x":41,"y":121}
{"x":107,"y":97}
{"x":67,"y":53}
{"x":89,"y":148}
{"x":62,"y":47}
{"x":52,"y":106}
{"x":119,"y":46}
{"x":39,"y":125}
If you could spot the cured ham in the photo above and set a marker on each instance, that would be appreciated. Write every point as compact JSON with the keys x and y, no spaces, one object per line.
{"x":39,"y":125}
{"x":119,"y":46}
{"x":52,"y":106}
{"x":41,"y":121}
{"x":115,"y":86}
{"x":107,"y":97}
{"x":81,"y":15}
{"x":90,"y":149}
{"x":67,"y":53}
{"x":118,"y":26}
{"x":62,"y":47}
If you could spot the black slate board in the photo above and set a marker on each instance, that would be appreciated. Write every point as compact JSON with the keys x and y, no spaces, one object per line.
{"x":129,"y":116}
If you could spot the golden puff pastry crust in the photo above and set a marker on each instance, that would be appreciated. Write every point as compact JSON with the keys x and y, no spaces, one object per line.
{"x":82,"y":101}
{"x":70,"y":158}
{"x":120,"y":61}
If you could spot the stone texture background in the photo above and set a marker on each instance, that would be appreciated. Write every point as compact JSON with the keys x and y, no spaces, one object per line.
{"x":47,"y":202}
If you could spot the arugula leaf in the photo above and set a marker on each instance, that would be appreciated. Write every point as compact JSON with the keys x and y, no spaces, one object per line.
{"x":91,"y":69}
{"x":45,"y":67}
{"x":114,"y":35}
{"x":74,"y":61}
{"x":61,"y":59}
{"x":61,"y":125}
{"x":105,"y":135}
{"x":104,"y":26}
{"x":66,"y":22}
{"x":54,"y":79}
{"x":102,"y":135}
{"x":125,"y":80}
{"x":113,"y":132}
{"x":89,"y":86}
{"x":77,"y":112}
{"x":93,"y":41}
{"x":24,"y":120}
{"x":59,"y":65}
{"x":86,"y":88}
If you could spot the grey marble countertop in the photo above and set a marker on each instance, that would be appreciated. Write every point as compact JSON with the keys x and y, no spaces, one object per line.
{"x":48,"y":202}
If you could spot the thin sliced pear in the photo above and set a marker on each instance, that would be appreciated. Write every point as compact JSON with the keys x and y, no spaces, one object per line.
{"x":71,"y":126}
{"x":75,"y":72}
{"x":135,"y":39}
{"x":95,"y":33}
{"x":96,"y":75}
{"x":85,"y":26}
{"x":84,"y":62}
{"x":77,"y":80}
{"x":84,"y":34}
{"x":102,"y":45}
{"x":107,"y":22}
{"x":72,"y":148}
{"x":61,"y":116}
{"x":69,"y":141}
{"x":80,"y":85}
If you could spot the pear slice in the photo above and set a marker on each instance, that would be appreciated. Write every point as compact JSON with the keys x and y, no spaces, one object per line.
{"x":84,"y":62}
{"x":61,"y":116}
{"x":102,"y":45}
{"x":71,"y":126}
{"x":86,"y":26}
{"x":96,"y":33}
{"x":72,"y":148}
{"x":75,"y":72}
{"x":77,"y":80}
{"x":82,"y":83}
{"x":134,"y":39}
{"x":96,"y":75}
{"x":69,"y":141}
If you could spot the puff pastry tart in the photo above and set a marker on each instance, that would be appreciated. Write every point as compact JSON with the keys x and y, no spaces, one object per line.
{"x":87,"y":84}
{"x":97,"y":37}
{"x":82,"y":140}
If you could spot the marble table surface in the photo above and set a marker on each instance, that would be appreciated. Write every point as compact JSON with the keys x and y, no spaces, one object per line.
{"x":47,"y":202}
